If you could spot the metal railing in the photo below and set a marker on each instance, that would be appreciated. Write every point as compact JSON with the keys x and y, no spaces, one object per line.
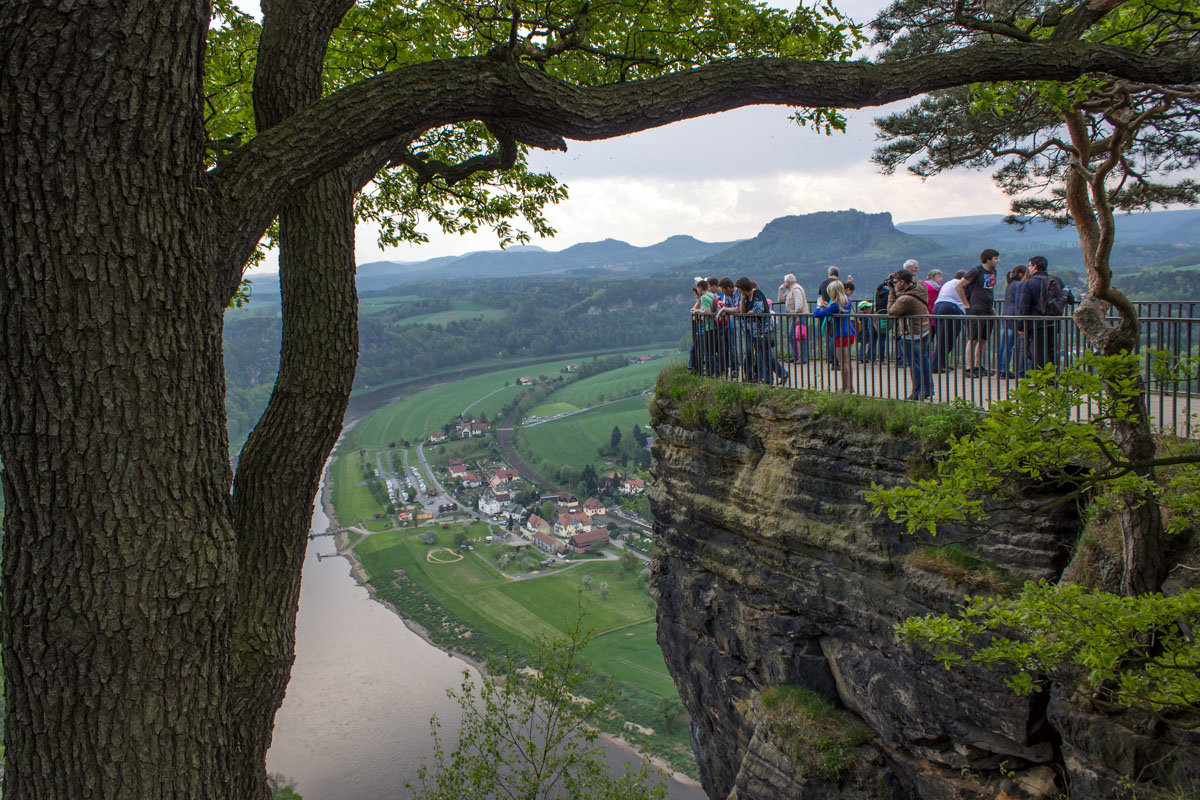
{"x":800,"y":351}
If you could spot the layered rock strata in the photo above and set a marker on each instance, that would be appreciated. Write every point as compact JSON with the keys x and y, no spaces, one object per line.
{"x":773,"y":572}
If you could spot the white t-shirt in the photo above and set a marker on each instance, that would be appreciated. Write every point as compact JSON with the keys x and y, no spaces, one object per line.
{"x":948,"y":294}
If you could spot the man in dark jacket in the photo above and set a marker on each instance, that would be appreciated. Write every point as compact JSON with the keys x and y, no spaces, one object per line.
{"x":1039,"y":334}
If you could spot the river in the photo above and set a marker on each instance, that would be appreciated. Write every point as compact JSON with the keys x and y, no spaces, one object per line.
{"x":355,"y":722}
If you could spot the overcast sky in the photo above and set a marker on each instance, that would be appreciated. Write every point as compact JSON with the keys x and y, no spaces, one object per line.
{"x":719,"y":178}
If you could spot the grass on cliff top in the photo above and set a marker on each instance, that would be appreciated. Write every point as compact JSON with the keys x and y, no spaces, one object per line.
{"x":818,"y":738}
{"x":720,"y":406}
{"x":953,"y":562}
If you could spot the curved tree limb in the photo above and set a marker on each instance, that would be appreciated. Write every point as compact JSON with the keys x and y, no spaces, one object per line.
{"x":252,"y":181}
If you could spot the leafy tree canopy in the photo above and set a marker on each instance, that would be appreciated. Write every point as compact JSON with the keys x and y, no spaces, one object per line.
{"x":473,"y":175}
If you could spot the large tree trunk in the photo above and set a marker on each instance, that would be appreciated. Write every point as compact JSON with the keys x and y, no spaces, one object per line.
{"x":1143,"y":538}
{"x":119,"y":562}
{"x":280,"y":466}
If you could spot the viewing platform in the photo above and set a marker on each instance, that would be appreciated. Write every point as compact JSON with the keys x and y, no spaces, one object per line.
{"x":793,"y":350}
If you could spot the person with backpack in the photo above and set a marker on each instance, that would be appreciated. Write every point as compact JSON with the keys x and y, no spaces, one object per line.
{"x":759,"y":359}
{"x":908,"y":304}
{"x":726,"y":333}
{"x":705,"y":330}
{"x":1008,"y":331}
{"x":1042,"y":295}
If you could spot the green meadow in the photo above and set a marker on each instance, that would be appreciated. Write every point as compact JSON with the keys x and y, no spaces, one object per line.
{"x":573,"y":440}
{"x":518,"y":612}
{"x":373,"y":305}
{"x":353,"y":503}
{"x":418,"y":415}
{"x":490,"y":406}
{"x":628,"y":380}
{"x":459,"y":310}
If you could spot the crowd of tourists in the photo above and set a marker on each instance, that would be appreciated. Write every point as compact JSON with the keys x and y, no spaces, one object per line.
{"x":741,"y":334}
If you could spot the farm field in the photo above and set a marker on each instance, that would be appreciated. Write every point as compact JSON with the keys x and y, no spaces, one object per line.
{"x":634,"y":653}
{"x":520,"y":611}
{"x":550,"y":409}
{"x":352,"y":503}
{"x":372,"y":305}
{"x":490,"y":406}
{"x":627,"y":380}
{"x":572,"y":441}
{"x":532,"y":365}
{"x":460,"y":310}
{"x":418,"y":415}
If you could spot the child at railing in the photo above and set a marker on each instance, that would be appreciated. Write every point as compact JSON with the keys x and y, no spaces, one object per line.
{"x":838,"y":311}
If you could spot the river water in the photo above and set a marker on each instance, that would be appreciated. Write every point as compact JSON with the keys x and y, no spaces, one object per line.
{"x":355,"y":722}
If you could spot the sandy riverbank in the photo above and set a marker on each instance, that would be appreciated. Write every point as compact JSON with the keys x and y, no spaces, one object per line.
{"x":342,"y":541}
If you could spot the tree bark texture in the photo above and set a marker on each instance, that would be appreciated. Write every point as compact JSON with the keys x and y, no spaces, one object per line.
{"x":119,"y":560}
{"x":280,"y":467}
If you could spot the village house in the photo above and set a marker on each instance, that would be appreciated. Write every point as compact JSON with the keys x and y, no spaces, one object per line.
{"x":592,"y":507}
{"x":503,"y":477}
{"x":459,"y":469}
{"x":489,"y":503}
{"x":582,"y":542}
{"x":570,"y":501}
{"x":571,"y":524}
{"x":548,"y":544}
{"x":437,"y":436}
{"x":632,"y":486}
{"x":525,"y":380}
{"x":471,"y":480}
{"x":479,"y":428}
{"x":536,"y":524}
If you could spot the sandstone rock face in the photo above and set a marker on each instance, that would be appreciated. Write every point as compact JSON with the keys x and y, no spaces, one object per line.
{"x":773,"y":572}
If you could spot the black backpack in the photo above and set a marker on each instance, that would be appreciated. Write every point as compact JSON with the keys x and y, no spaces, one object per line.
{"x":881,"y":298}
{"x":761,"y":324}
{"x":1054,"y":296}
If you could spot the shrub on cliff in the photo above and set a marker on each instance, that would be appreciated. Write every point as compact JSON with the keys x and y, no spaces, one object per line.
{"x":819,"y":738}
{"x":1056,"y":429}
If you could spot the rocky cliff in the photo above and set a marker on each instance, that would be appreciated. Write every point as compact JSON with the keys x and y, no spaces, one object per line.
{"x":773,"y":573}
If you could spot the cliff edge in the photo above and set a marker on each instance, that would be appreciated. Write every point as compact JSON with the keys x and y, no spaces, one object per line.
{"x":777,"y":596}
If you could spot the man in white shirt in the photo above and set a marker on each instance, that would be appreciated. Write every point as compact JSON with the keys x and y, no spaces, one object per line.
{"x":791,"y":297}
{"x":948,"y":303}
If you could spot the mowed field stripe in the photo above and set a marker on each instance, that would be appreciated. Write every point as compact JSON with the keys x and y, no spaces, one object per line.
{"x":509,"y":614}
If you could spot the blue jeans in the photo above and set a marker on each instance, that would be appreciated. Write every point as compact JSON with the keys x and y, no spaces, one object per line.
{"x":916,"y":355}
{"x":947,"y":332}
{"x":1010,"y":346}
{"x":799,"y":347}
{"x":760,"y":361}
{"x":868,"y":338}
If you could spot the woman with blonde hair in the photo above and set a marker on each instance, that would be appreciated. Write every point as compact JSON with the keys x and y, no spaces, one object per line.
{"x":842,"y":325}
